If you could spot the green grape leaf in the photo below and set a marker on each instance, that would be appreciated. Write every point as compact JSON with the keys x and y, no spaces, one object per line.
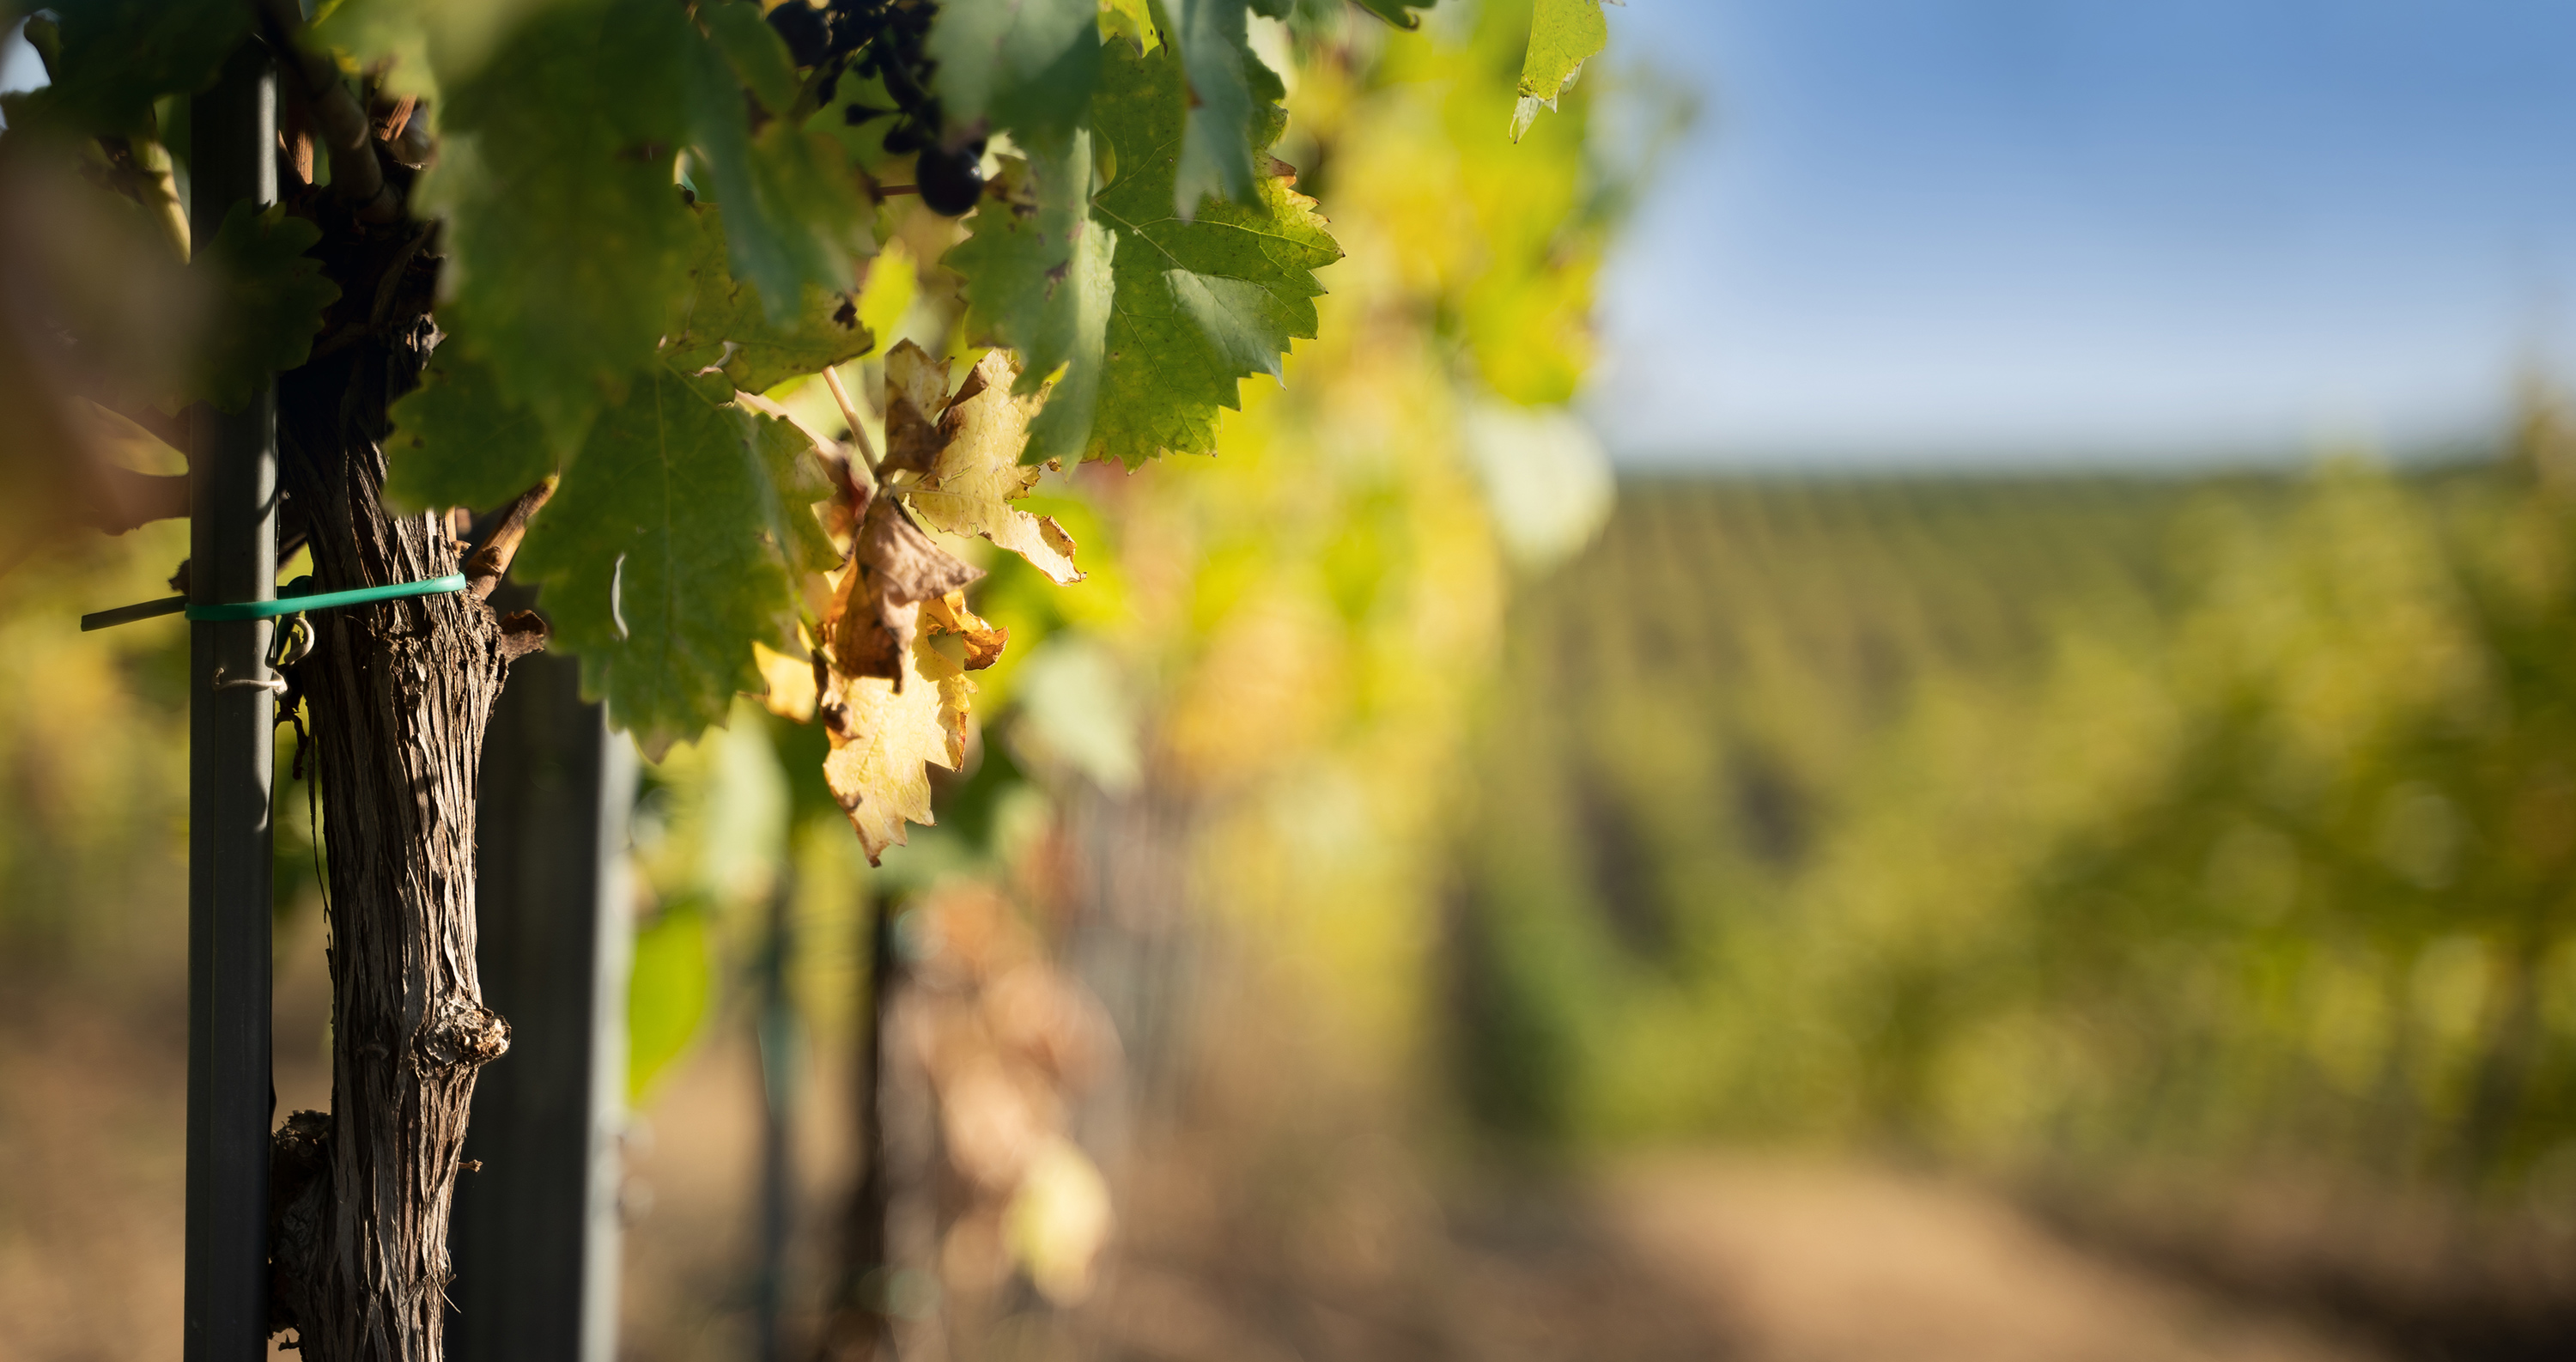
{"x":393,"y":36}
{"x":1397,"y":12}
{"x":1563,"y":35}
{"x":118,"y":56}
{"x":758,"y":56}
{"x":268,"y":299}
{"x":670,"y":548}
{"x":413,"y":46}
{"x":1021,"y":66}
{"x":1037,"y":272}
{"x":793,"y":207}
{"x":674,"y":540}
{"x":1132,"y":20}
{"x":458,"y":442}
{"x":722,"y":323}
{"x":564,"y":231}
{"x":1198,"y":305}
{"x":1233,"y":103}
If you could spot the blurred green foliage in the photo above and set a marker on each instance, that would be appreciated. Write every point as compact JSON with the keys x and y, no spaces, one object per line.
{"x":2079,"y":820}
{"x":95,"y":764}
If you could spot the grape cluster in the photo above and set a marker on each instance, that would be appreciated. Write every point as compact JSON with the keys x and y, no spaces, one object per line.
{"x":884,"y":38}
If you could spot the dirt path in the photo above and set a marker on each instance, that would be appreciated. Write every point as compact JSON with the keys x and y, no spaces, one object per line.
{"x":1808,"y":1261}
{"x":1727,"y":1257}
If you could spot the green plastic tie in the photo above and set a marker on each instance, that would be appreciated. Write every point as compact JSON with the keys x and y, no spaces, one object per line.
{"x":294,"y":602}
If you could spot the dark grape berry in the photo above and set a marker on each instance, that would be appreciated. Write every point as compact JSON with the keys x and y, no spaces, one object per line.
{"x":950,"y":181}
{"x":802,"y":26}
{"x":902,"y":137}
{"x":851,"y":28}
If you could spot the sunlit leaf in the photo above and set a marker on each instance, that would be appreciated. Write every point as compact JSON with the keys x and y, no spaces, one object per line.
{"x":791,"y":692}
{"x":1132,"y":20}
{"x":668,"y":550}
{"x":883,"y":741}
{"x":1199,"y":304}
{"x":1563,"y":35}
{"x":893,"y":281}
{"x":978,"y":473}
{"x":792,"y":211}
{"x":723,"y":323}
{"x":1037,"y":269}
{"x":565,"y":234}
{"x":1397,"y":12}
{"x":1233,"y":104}
{"x":876,"y":609}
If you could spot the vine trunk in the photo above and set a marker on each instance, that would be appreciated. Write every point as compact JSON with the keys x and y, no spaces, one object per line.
{"x":398,"y":693}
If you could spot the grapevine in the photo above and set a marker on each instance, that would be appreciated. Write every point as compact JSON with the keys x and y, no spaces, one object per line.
{"x":584,"y":270}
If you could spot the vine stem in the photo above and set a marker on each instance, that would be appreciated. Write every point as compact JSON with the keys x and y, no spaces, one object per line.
{"x":492,"y":560}
{"x":850,"y":413}
{"x":346,"y":135}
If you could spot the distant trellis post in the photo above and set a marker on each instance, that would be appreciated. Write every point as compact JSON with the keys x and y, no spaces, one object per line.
{"x":535,"y":1232}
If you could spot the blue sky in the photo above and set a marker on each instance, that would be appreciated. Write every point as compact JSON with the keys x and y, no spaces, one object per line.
{"x":2015,"y":230}
{"x":1935,"y":230}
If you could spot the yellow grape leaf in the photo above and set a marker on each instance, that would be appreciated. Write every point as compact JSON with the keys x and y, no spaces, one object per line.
{"x":981,"y":639}
{"x":893,"y":282}
{"x":884,"y":741}
{"x":977,"y":471}
{"x":792,"y":692}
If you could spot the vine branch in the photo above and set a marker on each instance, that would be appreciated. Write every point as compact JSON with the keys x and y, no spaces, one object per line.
{"x":850,"y":413}
{"x":491,"y":561}
{"x":346,"y":132}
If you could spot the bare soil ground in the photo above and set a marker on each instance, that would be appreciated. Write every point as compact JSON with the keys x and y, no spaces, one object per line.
{"x":1333,"y":1250}
{"x":1814,"y":1261}
{"x":1322,"y":1239}
{"x":92,"y":1166}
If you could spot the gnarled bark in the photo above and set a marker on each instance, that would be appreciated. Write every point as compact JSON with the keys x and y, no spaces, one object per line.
{"x":399,"y":693}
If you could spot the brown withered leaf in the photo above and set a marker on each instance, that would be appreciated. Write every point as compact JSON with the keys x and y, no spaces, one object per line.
{"x":856,"y":635}
{"x":875,"y":609}
{"x":916,"y":389}
{"x":907,"y":565}
{"x":849,"y":503}
{"x":976,"y":471}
